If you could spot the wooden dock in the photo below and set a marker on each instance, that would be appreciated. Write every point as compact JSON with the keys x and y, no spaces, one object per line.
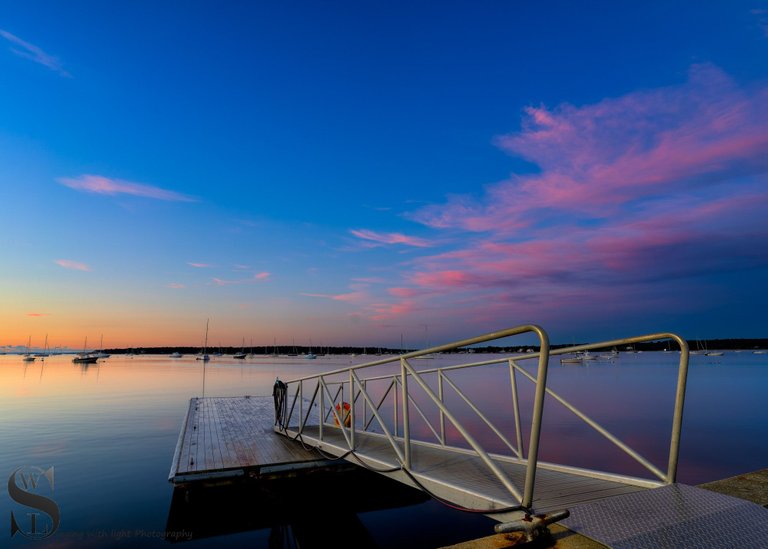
{"x":233,"y":436}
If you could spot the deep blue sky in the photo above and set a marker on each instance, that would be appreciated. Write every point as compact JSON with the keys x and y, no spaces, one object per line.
{"x":350,"y":172}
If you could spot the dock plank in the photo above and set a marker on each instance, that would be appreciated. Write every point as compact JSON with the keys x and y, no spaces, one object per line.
{"x":232,"y":434}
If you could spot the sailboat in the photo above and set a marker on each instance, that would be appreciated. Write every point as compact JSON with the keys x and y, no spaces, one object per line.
{"x":85,"y":357}
{"x":28,"y":356}
{"x":100,"y":353}
{"x":45,"y":352}
{"x":204,"y":355}
{"x":310,"y":355}
{"x":426,"y":346}
{"x":241,"y":355}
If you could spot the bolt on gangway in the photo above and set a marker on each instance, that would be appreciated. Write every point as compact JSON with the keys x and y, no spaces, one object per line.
{"x":365,"y":414}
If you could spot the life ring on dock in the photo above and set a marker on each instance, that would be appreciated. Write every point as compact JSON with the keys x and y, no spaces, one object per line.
{"x":343,"y":410}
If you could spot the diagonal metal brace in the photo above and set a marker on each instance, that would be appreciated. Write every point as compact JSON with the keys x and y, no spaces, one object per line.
{"x":531,"y":525}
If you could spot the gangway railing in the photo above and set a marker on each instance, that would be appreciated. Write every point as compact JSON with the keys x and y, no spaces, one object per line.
{"x":345,"y":400}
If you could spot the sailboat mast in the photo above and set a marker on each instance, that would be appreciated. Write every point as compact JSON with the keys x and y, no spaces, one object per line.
{"x":205,"y":344}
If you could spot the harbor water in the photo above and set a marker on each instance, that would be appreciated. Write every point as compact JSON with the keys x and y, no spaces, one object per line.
{"x":107,"y":433}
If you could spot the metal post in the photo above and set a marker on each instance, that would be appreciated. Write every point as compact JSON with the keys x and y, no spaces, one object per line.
{"x":406,"y":426}
{"x":440,"y":396}
{"x":351,"y":409}
{"x":301,"y":406}
{"x":538,"y":411}
{"x":321,"y":387}
{"x":677,"y":421}
{"x":395,"y":408}
{"x":516,"y":406}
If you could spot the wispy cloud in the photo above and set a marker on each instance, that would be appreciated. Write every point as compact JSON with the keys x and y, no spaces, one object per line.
{"x":258,"y":277}
{"x":390,"y":238}
{"x":762,"y":19}
{"x":198,"y":265}
{"x":98,"y":184}
{"x":176,"y":285}
{"x":645,"y":195}
{"x":34,"y":53}
{"x":73,"y":265}
{"x":349,"y":297}
{"x":38,"y":314}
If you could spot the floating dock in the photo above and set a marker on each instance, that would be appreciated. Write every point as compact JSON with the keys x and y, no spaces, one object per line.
{"x":362,"y":415}
{"x":232,"y":436}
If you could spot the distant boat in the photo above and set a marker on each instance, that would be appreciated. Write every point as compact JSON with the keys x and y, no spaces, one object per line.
{"x":204,"y":355}
{"x":760,"y":352}
{"x":700,"y":349}
{"x":176,"y":354}
{"x":580,"y":357}
{"x":45,"y":352}
{"x":28,"y":356}
{"x":609,"y":356}
{"x":714,"y":353}
{"x":85,"y":357}
{"x":242,"y":354}
{"x":310,"y":355}
{"x":100,"y":353}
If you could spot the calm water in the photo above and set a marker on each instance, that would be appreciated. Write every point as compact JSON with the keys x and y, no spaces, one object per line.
{"x":110,"y":431}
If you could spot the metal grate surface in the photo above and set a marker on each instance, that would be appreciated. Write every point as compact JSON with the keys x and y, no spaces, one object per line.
{"x":675,"y":516}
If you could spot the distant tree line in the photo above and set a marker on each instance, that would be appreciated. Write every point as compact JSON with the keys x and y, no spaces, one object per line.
{"x":289,"y":350}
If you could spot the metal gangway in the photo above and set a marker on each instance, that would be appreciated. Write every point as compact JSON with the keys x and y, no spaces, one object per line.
{"x":419,"y":425}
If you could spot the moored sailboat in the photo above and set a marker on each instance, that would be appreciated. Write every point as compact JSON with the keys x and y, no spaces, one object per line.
{"x":204,"y":355}
{"x":85,"y":357}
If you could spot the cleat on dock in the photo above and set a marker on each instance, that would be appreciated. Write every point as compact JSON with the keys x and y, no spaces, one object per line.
{"x":531,"y":525}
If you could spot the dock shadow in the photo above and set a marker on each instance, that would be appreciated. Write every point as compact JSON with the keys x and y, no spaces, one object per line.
{"x":307,"y":511}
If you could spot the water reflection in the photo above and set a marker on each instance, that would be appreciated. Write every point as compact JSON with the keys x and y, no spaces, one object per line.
{"x":110,"y":430}
{"x":313,"y":510}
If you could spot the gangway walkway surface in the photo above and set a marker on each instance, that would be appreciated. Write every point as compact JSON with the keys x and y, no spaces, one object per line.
{"x":461,"y":477}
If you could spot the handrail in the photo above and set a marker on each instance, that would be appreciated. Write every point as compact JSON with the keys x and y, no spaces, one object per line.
{"x":403,"y":401}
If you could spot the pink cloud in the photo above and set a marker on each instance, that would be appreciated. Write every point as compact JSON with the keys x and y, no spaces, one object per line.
{"x":390,"y":238}
{"x":638,"y":201}
{"x":176,"y":285}
{"x":73,"y":265}
{"x":262,"y":276}
{"x":596,"y":158}
{"x":405,"y":292}
{"x":34,"y":53}
{"x":198,"y":265}
{"x":103,"y":185}
{"x":38,"y":314}
{"x":386,"y":311}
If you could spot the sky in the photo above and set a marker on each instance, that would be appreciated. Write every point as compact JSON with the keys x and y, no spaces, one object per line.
{"x":361,"y":173}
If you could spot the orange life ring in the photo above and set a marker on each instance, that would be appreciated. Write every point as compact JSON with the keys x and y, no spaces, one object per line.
{"x":346,"y":415}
